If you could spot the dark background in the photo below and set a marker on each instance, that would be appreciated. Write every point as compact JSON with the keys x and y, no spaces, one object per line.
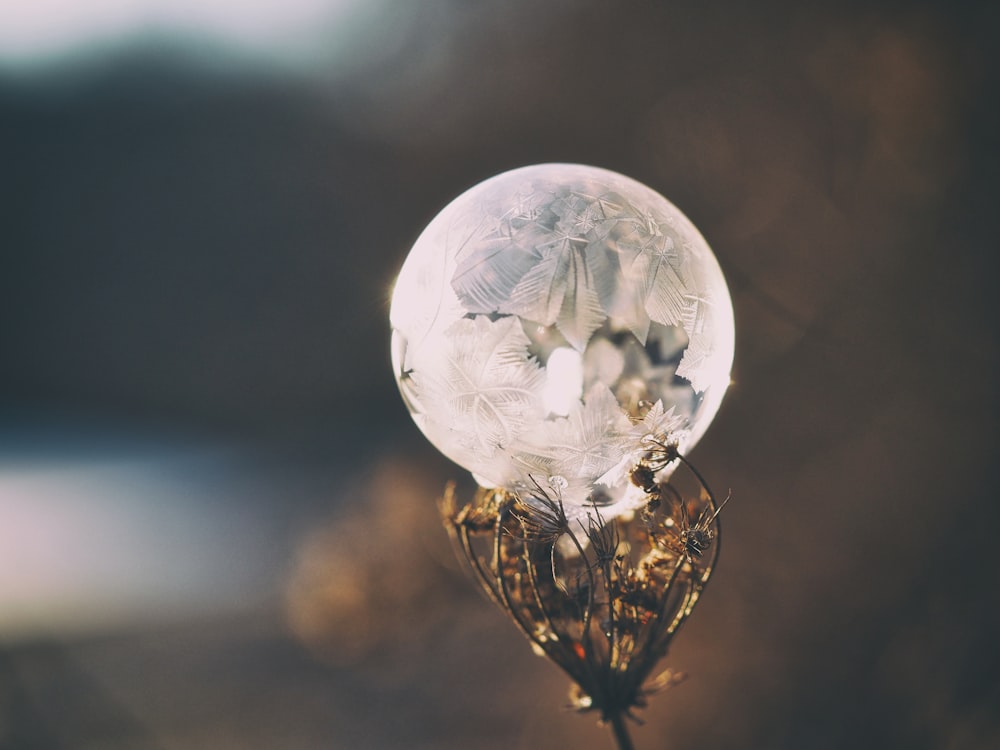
{"x":217,"y":520}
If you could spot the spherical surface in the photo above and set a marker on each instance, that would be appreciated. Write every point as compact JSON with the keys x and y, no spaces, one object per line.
{"x":553,"y":318}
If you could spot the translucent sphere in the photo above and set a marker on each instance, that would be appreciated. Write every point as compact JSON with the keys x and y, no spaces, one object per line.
{"x":554,"y":319}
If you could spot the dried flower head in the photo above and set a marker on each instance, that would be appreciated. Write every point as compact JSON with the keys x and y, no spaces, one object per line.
{"x":601,"y":597}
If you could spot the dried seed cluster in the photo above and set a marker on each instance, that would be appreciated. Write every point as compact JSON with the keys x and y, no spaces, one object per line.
{"x":601,"y":598}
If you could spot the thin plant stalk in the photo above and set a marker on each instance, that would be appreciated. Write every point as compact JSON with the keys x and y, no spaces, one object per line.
{"x":620,"y":732}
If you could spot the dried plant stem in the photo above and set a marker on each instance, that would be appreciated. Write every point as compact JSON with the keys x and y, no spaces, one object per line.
{"x":620,"y":732}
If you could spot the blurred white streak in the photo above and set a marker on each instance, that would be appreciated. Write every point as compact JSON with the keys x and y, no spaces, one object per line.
{"x":111,"y":542}
{"x":564,"y":381}
{"x":37,"y":31}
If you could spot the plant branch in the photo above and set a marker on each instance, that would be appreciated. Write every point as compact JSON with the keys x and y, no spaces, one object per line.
{"x":620,"y":732}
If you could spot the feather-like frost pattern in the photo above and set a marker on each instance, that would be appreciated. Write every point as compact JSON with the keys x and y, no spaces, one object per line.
{"x":488,"y":389}
{"x":582,"y":446}
{"x":573,"y":258}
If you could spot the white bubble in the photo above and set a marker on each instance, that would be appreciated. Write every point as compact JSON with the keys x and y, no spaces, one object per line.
{"x":551,"y":318}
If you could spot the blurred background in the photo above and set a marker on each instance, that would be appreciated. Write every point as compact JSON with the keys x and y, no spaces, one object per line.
{"x":217,"y":520}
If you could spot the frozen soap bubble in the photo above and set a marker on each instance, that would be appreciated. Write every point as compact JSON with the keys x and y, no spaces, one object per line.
{"x":550,"y":320}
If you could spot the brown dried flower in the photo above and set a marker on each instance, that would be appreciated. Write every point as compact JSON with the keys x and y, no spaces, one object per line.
{"x":602,"y":598}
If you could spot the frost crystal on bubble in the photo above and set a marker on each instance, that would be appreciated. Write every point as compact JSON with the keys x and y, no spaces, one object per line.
{"x":552,"y":317}
{"x":485,"y":387}
{"x":585,"y":444}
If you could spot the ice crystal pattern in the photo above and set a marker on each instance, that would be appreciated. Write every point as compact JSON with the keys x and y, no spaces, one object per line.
{"x":550,"y":315}
{"x":487,"y":386}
